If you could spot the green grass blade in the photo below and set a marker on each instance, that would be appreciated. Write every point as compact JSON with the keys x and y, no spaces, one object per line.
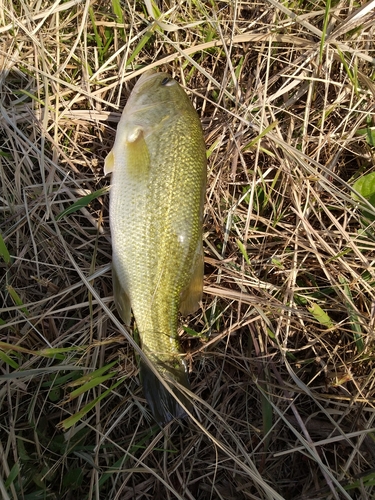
{"x":242,"y":249}
{"x":9,"y":361}
{"x":354,"y":321}
{"x":146,"y":37}
{"x":267,"y":417}
{"x":17,"y":299}
{"x":69,"y":422}
{"x":89,"y":376}
{"x":264,"y":132}
{"x":324,"y":31}
{"x":320,"y":315}
{"x":351,"y":76}
{"x":15,"y":470}
{"x":98,"y":38}
{"x":83,"y":202}
{"x":4,"y":253}
{"x":89,"y":385}
{"x":117,"y":10}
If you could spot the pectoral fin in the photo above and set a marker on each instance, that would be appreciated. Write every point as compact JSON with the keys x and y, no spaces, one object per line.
{"x":121,"y":299}
{"x":192,"y":294}
{"x":134,"y":150}
{"x":137,"y":154}
{"x":109,"y":163}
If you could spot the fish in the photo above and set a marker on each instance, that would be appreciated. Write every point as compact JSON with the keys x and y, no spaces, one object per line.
{"x":159,"y":167}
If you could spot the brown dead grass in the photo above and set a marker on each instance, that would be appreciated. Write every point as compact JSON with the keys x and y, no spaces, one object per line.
{"x":284,"y":396}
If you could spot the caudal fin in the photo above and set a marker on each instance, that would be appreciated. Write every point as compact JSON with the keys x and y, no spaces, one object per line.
{"x":163,"y":405}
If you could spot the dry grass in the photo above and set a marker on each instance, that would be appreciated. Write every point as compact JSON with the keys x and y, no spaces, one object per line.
{"x":282,"y":359}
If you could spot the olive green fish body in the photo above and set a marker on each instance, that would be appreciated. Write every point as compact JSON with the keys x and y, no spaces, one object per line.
{"x":156,"y":203}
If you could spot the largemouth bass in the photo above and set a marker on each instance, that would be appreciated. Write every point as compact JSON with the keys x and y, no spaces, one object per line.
{"x":158,"y":165}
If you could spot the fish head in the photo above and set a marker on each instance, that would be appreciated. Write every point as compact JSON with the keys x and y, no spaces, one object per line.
{"x":156,"y":102}
{"x":155,"y":97}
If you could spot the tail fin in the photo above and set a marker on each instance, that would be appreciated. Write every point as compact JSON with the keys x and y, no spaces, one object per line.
{"x":163,"y":405}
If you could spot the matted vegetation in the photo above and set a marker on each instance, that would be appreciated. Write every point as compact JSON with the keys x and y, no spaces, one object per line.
{"x":281,"y":353}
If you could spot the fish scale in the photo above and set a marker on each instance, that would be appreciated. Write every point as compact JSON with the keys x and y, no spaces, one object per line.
{"x":158,"y":165}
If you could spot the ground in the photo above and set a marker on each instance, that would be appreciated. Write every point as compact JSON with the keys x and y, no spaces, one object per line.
{"x":281,"y":352}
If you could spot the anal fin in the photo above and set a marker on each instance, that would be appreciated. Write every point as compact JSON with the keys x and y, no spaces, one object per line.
{"x":122,"y":300}
{"x":192,"y":294}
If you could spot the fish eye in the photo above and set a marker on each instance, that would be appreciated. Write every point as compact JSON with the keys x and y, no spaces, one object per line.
{"x":167,"y":81}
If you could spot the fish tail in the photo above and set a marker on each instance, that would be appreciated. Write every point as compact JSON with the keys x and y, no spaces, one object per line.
{"x":163,"y":405}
